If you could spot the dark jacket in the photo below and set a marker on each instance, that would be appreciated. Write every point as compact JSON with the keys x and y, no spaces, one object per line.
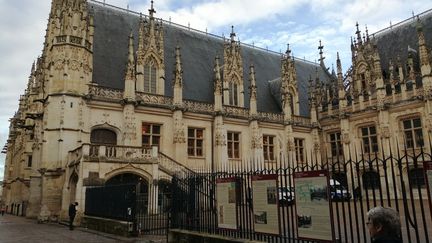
{"x":72,"y":210}
{"x":386,"y":239}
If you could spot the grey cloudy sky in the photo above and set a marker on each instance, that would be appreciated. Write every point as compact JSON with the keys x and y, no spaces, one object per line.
{"x":269,"y":24}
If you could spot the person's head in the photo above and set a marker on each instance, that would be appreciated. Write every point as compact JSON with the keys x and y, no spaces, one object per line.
{"x":383,"y":221}
{"x":76,"y":203}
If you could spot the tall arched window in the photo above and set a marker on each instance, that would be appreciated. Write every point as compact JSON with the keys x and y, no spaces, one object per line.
{"x":150,"y":77}
{"x":233,"y":94}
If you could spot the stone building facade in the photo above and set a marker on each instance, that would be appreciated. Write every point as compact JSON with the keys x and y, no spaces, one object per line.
{"x":118,"y":96}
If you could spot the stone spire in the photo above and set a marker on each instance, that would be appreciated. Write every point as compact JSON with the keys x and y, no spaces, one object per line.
{"x":321,"y":60}
{"x":341,"y":87}
{"x":150,"y":54}
{"x":289,"y":85}
{"x":217,"y":87}
{"x":178,"y":78}
{"x":233,"y":73}
{"x":423,"y":51}
{"x":129,"y":91}
{"x":377,"y":69}
{"x":253,"y":92}
{"x":358,"y":33}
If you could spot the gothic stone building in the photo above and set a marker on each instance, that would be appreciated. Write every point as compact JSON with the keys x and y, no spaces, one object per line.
{"x":118,"y":96}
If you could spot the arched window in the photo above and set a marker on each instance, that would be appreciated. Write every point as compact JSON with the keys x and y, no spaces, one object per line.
{"x":416,"y":177}
{"x":103,"y":136}
{"x":371,"y":180}
{"x":233,"y":94}
{"x":150,"y":78}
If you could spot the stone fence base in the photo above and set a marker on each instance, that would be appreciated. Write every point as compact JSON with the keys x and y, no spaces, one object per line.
{"x":185,"y":236}
{"x":111,"y":226}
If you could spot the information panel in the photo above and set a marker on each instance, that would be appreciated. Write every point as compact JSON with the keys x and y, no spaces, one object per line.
{"x":265,"y":204}
{"x":314,"y":216}
{"x":226,"y":195}
{"x":427,"y":166}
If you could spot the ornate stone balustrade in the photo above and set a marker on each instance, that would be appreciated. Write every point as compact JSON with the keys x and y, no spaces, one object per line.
{"x":198,"y":107}
{"x":236,"y":111}
{"x":105,"y":93}
{"x":116,"y":153}
{"x":302,"y":121}
{"x":270,"y":117}
{"x":153,"y":99}
{"x":192,"y":106}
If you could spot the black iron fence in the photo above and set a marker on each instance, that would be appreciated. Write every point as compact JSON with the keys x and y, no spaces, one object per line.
{"x":383,"y":178}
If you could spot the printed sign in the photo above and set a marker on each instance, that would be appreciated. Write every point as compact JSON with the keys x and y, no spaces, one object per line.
{"x":265,"y":204}
{"x":226,"y":195}
{"x":313,"y":207}
{"x":427,"y":166}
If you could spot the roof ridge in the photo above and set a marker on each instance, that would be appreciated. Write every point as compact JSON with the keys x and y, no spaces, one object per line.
{"x":403,"y":22}
{"x":198,"y":31}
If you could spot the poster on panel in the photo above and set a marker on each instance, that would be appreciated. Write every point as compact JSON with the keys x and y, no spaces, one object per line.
{"x":427,"y":166}
{"x":313,"y":207}
{"x":226,"y":196}
{"x":265,"y":204}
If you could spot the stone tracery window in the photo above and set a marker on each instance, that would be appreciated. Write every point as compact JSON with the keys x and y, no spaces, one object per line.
{"x":150,"y":77}
{"x":233,"y":94}
{"x":195,"y":142}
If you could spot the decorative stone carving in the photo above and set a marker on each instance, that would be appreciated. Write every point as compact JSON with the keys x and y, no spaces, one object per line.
{"x":346,"y":138}
{"x":385,"y":132}
{"x":256,"y":136}
{"x":179,"y":130}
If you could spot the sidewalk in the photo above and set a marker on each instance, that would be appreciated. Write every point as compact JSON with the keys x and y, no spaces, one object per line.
{"x":19,"y":229}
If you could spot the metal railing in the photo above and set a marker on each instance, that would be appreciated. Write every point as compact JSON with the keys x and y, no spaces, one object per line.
{"x":390,"y":179}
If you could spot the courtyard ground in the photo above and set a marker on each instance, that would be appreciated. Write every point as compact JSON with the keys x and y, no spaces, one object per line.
{"x":19,"y":229}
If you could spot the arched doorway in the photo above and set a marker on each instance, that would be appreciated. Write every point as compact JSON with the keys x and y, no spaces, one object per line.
{"x":73,"y":180}
{"x":129,"y":178}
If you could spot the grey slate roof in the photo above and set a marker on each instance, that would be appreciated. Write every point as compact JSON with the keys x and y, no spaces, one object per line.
{"x":198,"y":51}
{"x":394,"y":41}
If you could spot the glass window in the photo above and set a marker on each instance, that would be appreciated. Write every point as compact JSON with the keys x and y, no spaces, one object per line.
{"x":335,"y":144}
{"x":369,"y":139}
{"x":299,"y":150}
{"x":233,"y":94}
{"x":233,"y":140}
{"x":413,"y":133}
{"x":151,"y":134}
{"x":150,"y":78}
{"x":268,"y":147}
{"x":195,"y":142}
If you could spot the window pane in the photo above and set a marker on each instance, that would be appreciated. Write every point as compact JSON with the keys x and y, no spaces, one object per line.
{"x":407,"y":124}
{"x":191,"y":151}
{"x":156,"y":129}
{"x":372,"y":130}
{"x":155,"y":140}
{"x":419,"y":137}
{"x":417,"y":122}
{"x":146,"y":139}
{"x":230,"y":136}
{"x":145,"y":128}
{"x":199,"y":133}
{"x":199,"y":152}
{"x":199,"y":143}
{"x":191,"y":133}
{"x":190,"y":142}
{"x":364,"y":131}
{"x":236,"y":137}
